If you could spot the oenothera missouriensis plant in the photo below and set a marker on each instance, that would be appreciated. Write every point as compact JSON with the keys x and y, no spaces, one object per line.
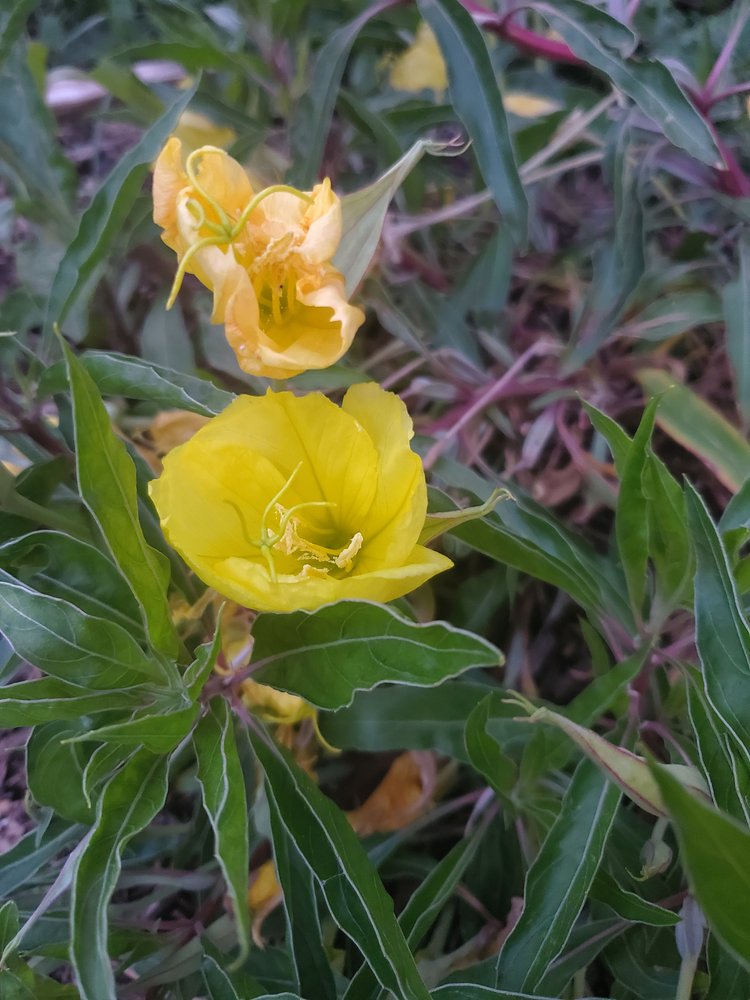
{"x":265,"y":255}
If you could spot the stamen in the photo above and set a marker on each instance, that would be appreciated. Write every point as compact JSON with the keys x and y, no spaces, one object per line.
{"x":276,"y":305}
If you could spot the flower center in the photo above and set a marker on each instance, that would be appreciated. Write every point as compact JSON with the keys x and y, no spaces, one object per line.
{"x":291,"y":537}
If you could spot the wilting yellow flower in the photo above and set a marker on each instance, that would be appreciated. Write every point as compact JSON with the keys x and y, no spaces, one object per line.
{"x":266,"y":257}
{"x":421,"y":66}
{"x":284,"y":503}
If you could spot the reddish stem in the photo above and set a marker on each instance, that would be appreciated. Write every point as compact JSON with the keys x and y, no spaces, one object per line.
{"x":524,"y":40}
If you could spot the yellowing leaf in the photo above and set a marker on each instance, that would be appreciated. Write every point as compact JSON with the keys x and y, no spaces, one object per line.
{"x":528,"y":105}
{"x":403,"y":795}
{"x":263,"y":896}
{"x":421,"y":66}
{"x":625,"y":768}
{"x":697,"y":426}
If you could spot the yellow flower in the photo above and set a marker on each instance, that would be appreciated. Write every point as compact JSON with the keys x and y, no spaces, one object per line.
{"x":421,"y":66}
{"x":266,"y":257}
{"x":284,"y":503}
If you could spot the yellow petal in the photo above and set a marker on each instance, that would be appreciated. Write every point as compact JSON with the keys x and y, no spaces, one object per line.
{"x":224,"y":179}
{"x":315,"y":334}
{"x":398,"y":511}
{"x":529,"y":105}
{"x":323,"y":222}
{"x":267,"y":498}
{"x":422,"y":66}
{"x":169,"y":180}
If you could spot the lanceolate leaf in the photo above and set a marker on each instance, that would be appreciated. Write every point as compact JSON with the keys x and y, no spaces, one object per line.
{"x":475,"y":95}
{"x":29,"y":703}
{"x":631,"y":521}
{"x":715,"y":849}
{"x":422,"y":909}
{"x":327,"y":655}
{"x":60,"y":639}
{"x":107,"y":480}
{"x":364,"y":211}
{"x":352,"y":890}
{"x":223,"y":789}
{"x":67,"y":567}
{"x":722,"y":633}
{"x":602,"y":42}
{"x":700,"y":428}
{"x":304,"y":935}
{"x":736,"y":301}
{"x":313,"y":119}
{"x":121,"y":375}
{"x":130,"y":801}
{"x":559,"y":880}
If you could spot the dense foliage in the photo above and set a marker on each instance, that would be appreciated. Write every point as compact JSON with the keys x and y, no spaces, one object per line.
{"x":545,"y":212}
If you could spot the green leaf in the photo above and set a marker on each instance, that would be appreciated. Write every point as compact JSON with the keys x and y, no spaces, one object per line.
{"x":223,"y":792}
{"x":30,"y":703}
{"x":586,"y":941}
{"x":736,"y":302}
{"x":107,"y":481}
{"x":200,"y":669}
{"x":221,"y":984}
{"x":604,"y":43}
{"x":476,"y":97}
{"x":631,"y":517}
{"x":121,"y":375}
{"x":28,"y":146}
{"x":63,"y":641}
{"x":559,"y":880}
{"x":470,"y":991}
{"x":326,"y":656}
{"x":304,"y":936}
{"x":353,"y":892}
{"x":133,"y":797}
{"x":698,"y":427}
{"x":69,"y":568}
{"x":364,"y":211}
{"x":628,"y":905}
{"x":619,"y":265}
{"x":523,"y":534}
{"x":722,"y":633}
{"x":312,"y":121}
{"x":715,"y":850}
{"x":673,"y":314}
{"x":723,"y":765}
{"x":102,"y":221}
{"x":422,"y":909}
{"x":485,"y":754}
{"x":55,"y":771}
{"x":729,"y":978}
{"x":33,"y":851}
{"x":403,"y":718}
{"x":158,"y":731}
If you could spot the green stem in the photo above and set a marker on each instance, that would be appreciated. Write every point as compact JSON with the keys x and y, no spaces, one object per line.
{"x":688,"y":968}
